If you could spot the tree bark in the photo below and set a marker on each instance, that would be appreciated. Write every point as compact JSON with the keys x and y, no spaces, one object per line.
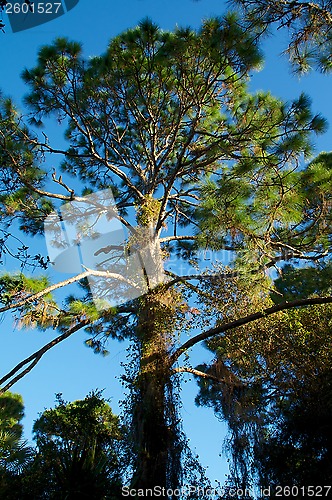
{"x":154,"y":430}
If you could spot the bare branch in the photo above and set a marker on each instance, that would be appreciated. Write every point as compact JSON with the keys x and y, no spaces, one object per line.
{"x":111,"y":166}
{"x":64,"y":185}
{"x":192,"y":238}
{"x":196,"y":277}
{"x":107,"y":274}
{"x":177,"y":238}
{"x":198,"y":373}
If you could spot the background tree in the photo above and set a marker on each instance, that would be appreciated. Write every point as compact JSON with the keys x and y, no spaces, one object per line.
{"x":80,"y":453}
{"x":14,"y":452}
{"x":79,"y":449}
{"x":298,"y":449}
{"x":271,"y":371}
{"x":276,"y":389}
{"x":194,"y":161}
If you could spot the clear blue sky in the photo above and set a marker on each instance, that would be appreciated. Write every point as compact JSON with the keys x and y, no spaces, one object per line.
{"x":71,"y":368}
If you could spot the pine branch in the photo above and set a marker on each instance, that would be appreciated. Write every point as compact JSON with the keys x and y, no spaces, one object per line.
{"x":42,"y":293}
{"x":36,"y":356}
{"x":245,"y":320}
{"x":113,"y":168}
{"x":71,"y":198}
{"x":197,"y":277}
{"x":69,"y":281}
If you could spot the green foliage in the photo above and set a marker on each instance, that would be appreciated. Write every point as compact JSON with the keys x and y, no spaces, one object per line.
{"x":169,"y":96}
{"x":302,"y":282}
{"x":12,"y":411}
{"x":84,"y":309}
{"x":20,"y":161}
{"x":14,"y":452}
{"x":268,"y":214}
{"x":299,"y":449}
{"x":43,"y":312}
{"x":19,"y":285}
{"x":90,"y":418}
{"x":79,"y":449}
{"x":80,"y":452}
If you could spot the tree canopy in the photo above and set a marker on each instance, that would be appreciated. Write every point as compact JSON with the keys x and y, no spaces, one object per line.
{"x":78,"y":448}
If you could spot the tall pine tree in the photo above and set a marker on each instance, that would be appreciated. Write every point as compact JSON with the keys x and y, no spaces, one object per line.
{"x":194,"y":161}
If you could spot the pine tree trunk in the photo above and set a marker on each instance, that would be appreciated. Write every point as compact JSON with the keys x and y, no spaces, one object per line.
{"x":154,"y":413}
{"x":153,"y":424}
{"x":154,"y":433}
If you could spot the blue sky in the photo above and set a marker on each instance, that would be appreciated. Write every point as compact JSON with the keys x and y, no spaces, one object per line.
{"x":71,"y":368}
